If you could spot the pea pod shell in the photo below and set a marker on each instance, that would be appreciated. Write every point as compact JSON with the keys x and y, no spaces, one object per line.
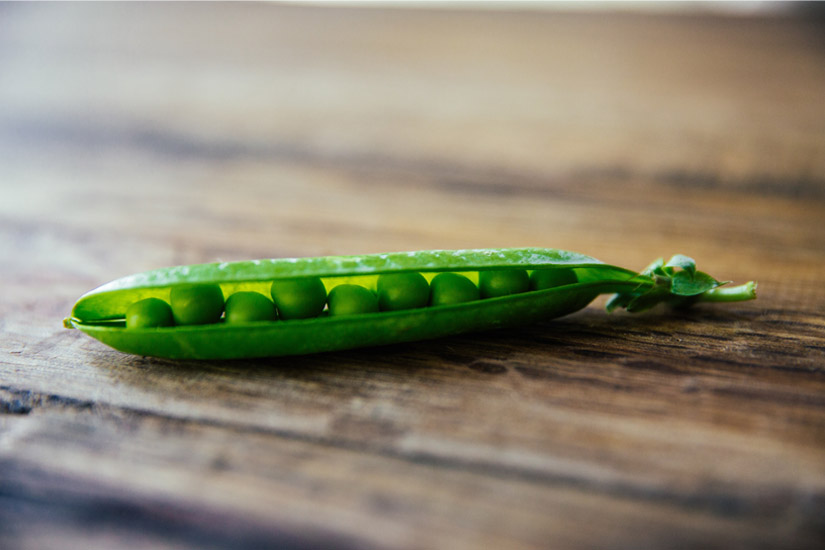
{"x":98,"y":313}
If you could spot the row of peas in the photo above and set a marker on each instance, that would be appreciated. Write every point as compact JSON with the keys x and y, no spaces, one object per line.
{"x":305,"y":298}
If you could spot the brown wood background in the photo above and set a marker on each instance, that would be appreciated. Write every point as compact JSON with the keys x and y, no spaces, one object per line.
{"x":137,"y":136}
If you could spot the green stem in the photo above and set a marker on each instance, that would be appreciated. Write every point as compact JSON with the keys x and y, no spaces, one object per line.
{"x":739,"y":293}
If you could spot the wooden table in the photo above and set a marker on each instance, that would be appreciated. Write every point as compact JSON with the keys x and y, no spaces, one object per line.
{"x":138,"y":136}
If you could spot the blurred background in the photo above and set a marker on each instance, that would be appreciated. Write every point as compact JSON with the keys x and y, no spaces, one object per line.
{"x":314,"y":129}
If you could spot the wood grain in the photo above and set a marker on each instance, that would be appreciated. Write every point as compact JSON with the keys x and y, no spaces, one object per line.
{"x":137,"y":136}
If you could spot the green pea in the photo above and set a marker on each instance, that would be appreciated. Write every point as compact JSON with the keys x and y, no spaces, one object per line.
{"x":541,"y":279}
{"x":452,"y":288}
{"x":247,"y":307}
{"x":299,"y":298}
{"x":493,"y":284}
{"x":351,"y":300}
{"x":149,"y":313}
{"x":196,"y":304}
{"x":398,"y":291}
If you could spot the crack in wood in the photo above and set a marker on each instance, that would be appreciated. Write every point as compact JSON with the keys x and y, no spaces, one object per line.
{"x":35,"y":500}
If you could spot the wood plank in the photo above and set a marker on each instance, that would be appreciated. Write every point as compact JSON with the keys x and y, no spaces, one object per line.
{"x":368,"y":499}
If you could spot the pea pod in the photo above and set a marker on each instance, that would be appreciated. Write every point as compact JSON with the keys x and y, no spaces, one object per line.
{"x":100,"y":313}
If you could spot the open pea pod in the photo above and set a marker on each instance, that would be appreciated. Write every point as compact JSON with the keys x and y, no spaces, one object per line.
{"x":101,"y":312}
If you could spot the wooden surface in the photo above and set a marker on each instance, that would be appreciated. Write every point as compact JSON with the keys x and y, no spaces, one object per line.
{"x":138,"y":136}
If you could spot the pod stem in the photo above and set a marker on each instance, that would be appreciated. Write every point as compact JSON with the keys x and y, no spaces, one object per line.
{"x":738,"y":293}
{"x":678,"y":284}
